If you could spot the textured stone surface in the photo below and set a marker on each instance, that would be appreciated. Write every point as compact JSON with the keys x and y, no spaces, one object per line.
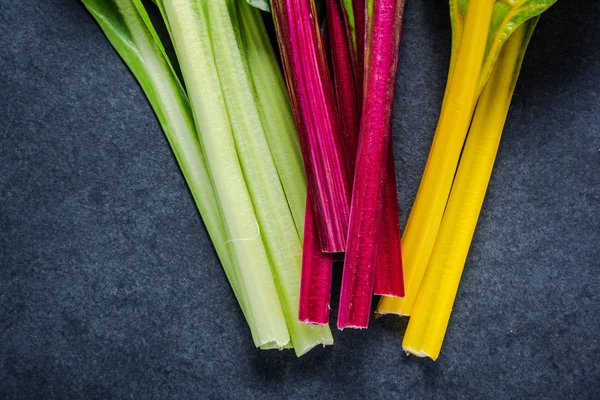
{"x":109,"y":286}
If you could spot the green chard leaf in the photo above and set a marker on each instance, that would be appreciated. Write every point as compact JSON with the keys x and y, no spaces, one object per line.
{"x":508,"y":15}
{"x":260,"y":4}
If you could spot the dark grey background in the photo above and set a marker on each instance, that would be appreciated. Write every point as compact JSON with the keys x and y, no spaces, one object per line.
{"x":110,"y":288}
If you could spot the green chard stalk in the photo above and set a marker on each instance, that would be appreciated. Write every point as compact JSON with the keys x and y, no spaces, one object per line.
{"x":189,"y":28}
{"x":236,"y":143}
{"x":226,"y":108}
{"x":275,"y":110}
{"x":128,"y":28}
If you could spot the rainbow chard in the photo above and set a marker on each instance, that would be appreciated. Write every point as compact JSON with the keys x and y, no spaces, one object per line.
{"x":315,"y":282}
{"x":215,"y":27}
{"x":384,"y":24}
{"x":454,"y":121}
{"x":234,"y":134}
{"x":283,"y":142}
{"x":320,"y":132}
{"x":313,"y":101}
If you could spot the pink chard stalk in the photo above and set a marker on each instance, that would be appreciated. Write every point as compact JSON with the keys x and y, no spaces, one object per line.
{"x":358,"y":10}
{"x":313,"y":101}
{"x":315,"y":282}
{"x":389,"y":278}
{"x":372,"y":179}
{"x":354,"y":12}
{"x":345,"y":77}
{"x":312,"y":97}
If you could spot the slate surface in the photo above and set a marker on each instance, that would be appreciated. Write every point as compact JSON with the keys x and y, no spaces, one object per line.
{"x":109,"y":286}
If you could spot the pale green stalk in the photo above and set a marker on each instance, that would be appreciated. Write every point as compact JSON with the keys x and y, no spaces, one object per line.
{"x":188,"y":25}
{"x":271,"y":98}
{"x":127,"y":26}
{"x":245,"y":168}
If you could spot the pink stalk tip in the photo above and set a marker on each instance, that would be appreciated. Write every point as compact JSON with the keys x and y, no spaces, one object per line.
{"x":315,"y":283}
{"x":389,"y":277}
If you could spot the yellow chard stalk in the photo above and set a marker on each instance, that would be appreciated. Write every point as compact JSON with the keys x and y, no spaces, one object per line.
{"x":479,"y":30}
{"x":433,"y":305}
